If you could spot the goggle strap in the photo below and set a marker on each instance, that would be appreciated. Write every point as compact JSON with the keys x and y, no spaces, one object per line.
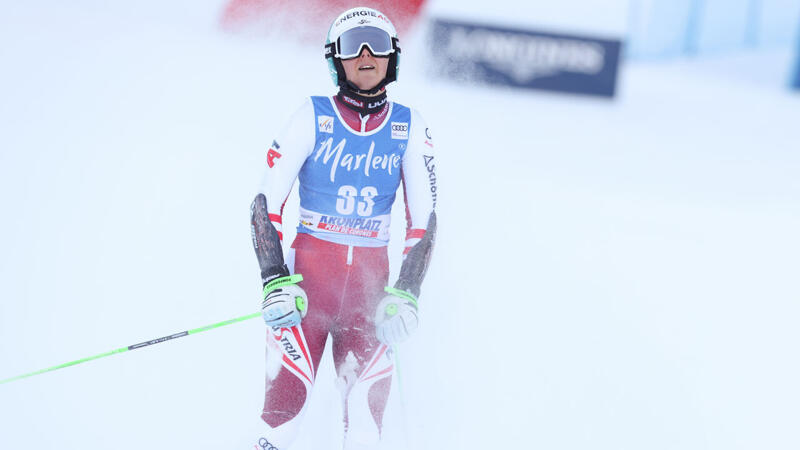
{"x":330,"y":50}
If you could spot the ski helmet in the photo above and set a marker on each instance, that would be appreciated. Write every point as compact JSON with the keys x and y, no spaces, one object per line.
{"x":355,"y":29}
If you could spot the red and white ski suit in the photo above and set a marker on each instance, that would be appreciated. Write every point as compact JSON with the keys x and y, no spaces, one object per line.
{"x":343,"y":278}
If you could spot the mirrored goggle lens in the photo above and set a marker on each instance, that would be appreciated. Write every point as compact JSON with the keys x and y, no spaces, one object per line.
{"x":351,"y":42}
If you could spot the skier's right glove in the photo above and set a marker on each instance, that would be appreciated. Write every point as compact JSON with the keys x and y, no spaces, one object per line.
{"x":396,"y":317}
{"x":285,"y":303}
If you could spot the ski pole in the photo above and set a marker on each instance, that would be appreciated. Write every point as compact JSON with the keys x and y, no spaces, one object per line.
{"x":135,"y":346}
{"x":403,"y":412}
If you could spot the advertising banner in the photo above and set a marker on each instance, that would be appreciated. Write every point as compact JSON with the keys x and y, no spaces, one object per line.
{"x":525,"y":58}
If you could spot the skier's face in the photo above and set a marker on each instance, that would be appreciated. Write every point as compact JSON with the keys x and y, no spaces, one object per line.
{"x":365,"y":71}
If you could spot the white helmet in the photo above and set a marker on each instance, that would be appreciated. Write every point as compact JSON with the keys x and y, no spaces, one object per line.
{"x":355,"y":29}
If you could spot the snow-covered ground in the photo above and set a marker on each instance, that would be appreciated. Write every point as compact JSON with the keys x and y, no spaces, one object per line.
{"x":609,"y":274}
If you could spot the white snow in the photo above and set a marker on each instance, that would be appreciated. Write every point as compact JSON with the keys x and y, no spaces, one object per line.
{"x":608,"y":274}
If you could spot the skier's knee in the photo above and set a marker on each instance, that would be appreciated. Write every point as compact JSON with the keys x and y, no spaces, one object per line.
{"x":285,"y":400}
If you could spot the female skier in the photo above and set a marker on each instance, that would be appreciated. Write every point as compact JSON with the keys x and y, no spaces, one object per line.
{"x":349,"y":152}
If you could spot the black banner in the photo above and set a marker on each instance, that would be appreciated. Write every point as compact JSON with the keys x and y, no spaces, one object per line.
{"x":524,"y":58}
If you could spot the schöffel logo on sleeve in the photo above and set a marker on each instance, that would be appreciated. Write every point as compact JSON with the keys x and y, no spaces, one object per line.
{"x":325,"y":124}
{"x":525,"y":58}
{"x":399,"y":130}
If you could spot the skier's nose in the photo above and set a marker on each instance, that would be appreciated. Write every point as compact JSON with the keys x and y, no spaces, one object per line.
{"x":364,"y":52}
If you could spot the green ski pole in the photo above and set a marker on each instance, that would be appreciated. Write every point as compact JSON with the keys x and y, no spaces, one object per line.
{"x":135,"y":346}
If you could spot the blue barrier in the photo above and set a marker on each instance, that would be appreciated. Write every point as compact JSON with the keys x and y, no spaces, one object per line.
{"x":661,"y":28}
{"x":796,"y":81}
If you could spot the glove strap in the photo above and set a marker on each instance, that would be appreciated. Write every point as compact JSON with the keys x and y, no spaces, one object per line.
{"x":402,"y":294}
{"x":282,"y":281}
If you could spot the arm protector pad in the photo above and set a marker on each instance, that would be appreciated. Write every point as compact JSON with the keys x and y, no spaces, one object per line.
{"x":412,"y":272}
{"x":266,"y":242}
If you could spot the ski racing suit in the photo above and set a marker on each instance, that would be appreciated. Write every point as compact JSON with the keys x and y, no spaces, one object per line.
{"x":349,"y":168}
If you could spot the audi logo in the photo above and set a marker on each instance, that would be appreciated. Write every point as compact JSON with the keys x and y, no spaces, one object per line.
{"x":265,"y":445}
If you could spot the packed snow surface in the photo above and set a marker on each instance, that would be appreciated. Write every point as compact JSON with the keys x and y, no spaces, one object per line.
{"x":609,"y":274}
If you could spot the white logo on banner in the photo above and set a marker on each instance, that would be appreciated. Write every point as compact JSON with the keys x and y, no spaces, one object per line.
{"x":525,"y":58}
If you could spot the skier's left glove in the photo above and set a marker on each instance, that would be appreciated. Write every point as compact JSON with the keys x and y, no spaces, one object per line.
{"x":285,"y":303}
{"x":396,"y":317}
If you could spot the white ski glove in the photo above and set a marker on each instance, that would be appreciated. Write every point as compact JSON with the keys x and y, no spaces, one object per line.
{"x":396,"y":317}
{"x":285,"y":303}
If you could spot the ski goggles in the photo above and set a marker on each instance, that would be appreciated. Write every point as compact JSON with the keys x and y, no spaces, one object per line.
{"x":351,"y":42}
